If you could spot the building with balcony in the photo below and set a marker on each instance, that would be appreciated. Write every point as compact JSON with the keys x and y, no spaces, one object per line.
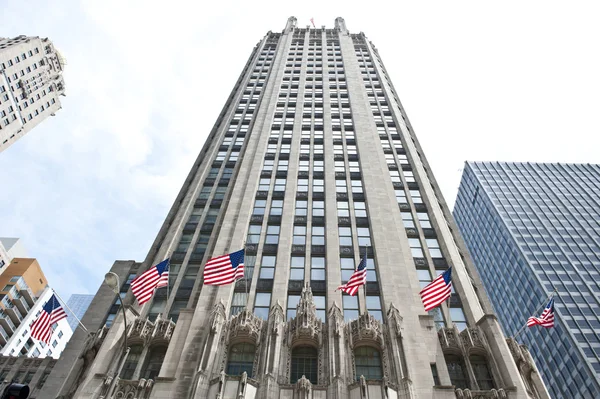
{"x":10,"y":248}
{"x":25,"y":291}
{"x":31,"y":84}
{"x":311,"y":165}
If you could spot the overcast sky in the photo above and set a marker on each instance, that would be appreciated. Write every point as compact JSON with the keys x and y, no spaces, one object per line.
{"x":145,"y":81}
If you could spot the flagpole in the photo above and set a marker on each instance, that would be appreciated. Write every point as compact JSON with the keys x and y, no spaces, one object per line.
{"x":536,"y":312}
{"x":365,"y":285}
{"x":245,"y":276}
{"x":72,"y":313}
{"x":169,"y":254}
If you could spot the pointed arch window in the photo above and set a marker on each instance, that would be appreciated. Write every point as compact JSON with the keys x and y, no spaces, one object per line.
{"x":133,"y":358}
{"x":154,"y":362}
{"x":241,"y":358}
{"x":304,"y":363}
{"x":482,"y":372}
{"x":456,"y":369}
{"x":368,"y":363}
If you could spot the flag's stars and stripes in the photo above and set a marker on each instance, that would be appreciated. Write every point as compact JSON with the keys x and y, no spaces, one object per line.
{"x":546,"y":319}
{"x":436,"y":292}
{"x":358,"y":278}
{"x":156,"y":277}
{"x":52,"y":312}
{"x":224,"y":269}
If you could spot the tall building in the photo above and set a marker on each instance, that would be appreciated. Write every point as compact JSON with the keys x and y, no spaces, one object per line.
{"x":10,"y":248}
{"x":311,"y":164}
{"x":532,"y":228}
{"x":24,"y":294}
{"x":30,"y":85}
{"x":78,"y":304}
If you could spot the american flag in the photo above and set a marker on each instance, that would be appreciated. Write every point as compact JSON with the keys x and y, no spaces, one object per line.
{"x":546,"y":319}
{"x":224,"y":269}
{"x":52,"y":312}
{"x":358,"y":278}
{"x":436,"y":292}
{"x":156,"y":277}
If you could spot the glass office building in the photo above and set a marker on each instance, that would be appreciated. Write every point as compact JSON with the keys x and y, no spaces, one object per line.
{"x":533,"y":228}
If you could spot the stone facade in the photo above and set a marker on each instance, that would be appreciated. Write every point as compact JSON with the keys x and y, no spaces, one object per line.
{"x":300,"y":169}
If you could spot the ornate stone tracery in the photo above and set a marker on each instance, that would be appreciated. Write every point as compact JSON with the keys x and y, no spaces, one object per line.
{"x":149,"y":332}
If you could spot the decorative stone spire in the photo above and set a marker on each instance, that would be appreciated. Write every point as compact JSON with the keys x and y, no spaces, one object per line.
{"x":306,"y":324}
{"x":290,"y":25}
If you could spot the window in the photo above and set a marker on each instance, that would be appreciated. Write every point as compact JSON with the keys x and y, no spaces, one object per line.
{"x":292,"y":303}
{"x":368,"y":363}
{"x":318,"y":185}
{"x":424,"y":220}
{"x":109,"y":319}
{"x":135,"y":354}
{"x":364,"y":237}
{"x":304,"y":363}
{"x":458,"y":317}
{"x":357,"y":186}
{"x":415,"y":247}
{"x":272,"y":235}
{"x":241,"y":358}
{"x":434,"y":248}
{"x":276,"y":207}
{"x":302,"y":185}
{"x":261,"y":304}
{"x":267,"y":267}
{"x":318,"y":208}
{"x":60,"y":334}
{"x":343,"y":209}
{"x":238,"y":303}
{"x":400,"y":196}
{"x":317,"y":268}
{"x":301,"y":208}
{"x":350,"y":307}
{"x":318,"y":235}
{"x":259,"y":207}
{"x":297,"y":268}
{"x":360,"y":209}
{"x":154,"y":362}
{"x":28,"y":377}
{"x":54,"y":343}
{"x":340,"y":186}
{"x":456,"y":369}
{"x":279,"y":184}
{"x":374,"y":307}
{"x":299,"y":235}
{"x":424,"y":277}
{"x":345,"y":234}
{"x":482,"y":372}
{"x":408,"y":220}
{"x":253,"y":234}
{"x":435,"y":375}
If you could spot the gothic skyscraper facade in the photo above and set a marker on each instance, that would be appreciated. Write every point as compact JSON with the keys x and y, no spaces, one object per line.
{"x":311,"y":165}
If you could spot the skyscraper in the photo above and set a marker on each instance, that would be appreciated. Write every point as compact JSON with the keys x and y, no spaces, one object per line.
{"x":311,"y":165}
{"x":30,"y":85}
{"x":78,"y":303}
{"x":532,"y":228}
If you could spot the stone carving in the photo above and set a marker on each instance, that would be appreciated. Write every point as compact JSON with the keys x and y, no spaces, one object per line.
{"x":148,"y":331}
{"x":304,"y":387}
{"x":336,"y":320}
{"x":245,"y":324}
{"x":133,"y":389}
{"x":471,"y":338}
{"x":366,"y":327}
{"x":306,"y":326}
{"x":491,"y":394}
{"x":217,"y":317}
{"x":276,"y":318}
{"x":394,"y":319}
{"x":448,"y":338}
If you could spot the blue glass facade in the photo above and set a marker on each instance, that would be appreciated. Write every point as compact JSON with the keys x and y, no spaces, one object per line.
{"x":78,"y":303}
{"x":530,"y":229}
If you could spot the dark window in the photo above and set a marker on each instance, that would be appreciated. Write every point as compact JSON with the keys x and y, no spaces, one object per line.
{"x":456,"y":369}
{"x":368,"y":363}
{"x":154,"y":362}
{"x":241,"y":358}
{"x":131,"y":363}
{"x":304,"y":363}
{"x":482,"y":372}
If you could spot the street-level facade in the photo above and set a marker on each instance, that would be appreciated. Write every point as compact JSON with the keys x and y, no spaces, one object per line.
{"x":311,"y":165}
{"x":532,"y":228}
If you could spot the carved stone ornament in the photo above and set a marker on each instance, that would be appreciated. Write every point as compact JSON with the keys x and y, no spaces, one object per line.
{"x":245,"y":324}
{"x":471,"y":338}
{"x":336,"y":320}
{"x":448,"y":339}
{"x":276,"y":319}
{"x":148,"y":331}
{"x":394,"y":319}
{"x":306,"y":326}
{"x":134,"y":389}
{"x":217,"y":317}
{"x":303,"y":387}
{"x":366,"y":327}
{"x":491,"y":394}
